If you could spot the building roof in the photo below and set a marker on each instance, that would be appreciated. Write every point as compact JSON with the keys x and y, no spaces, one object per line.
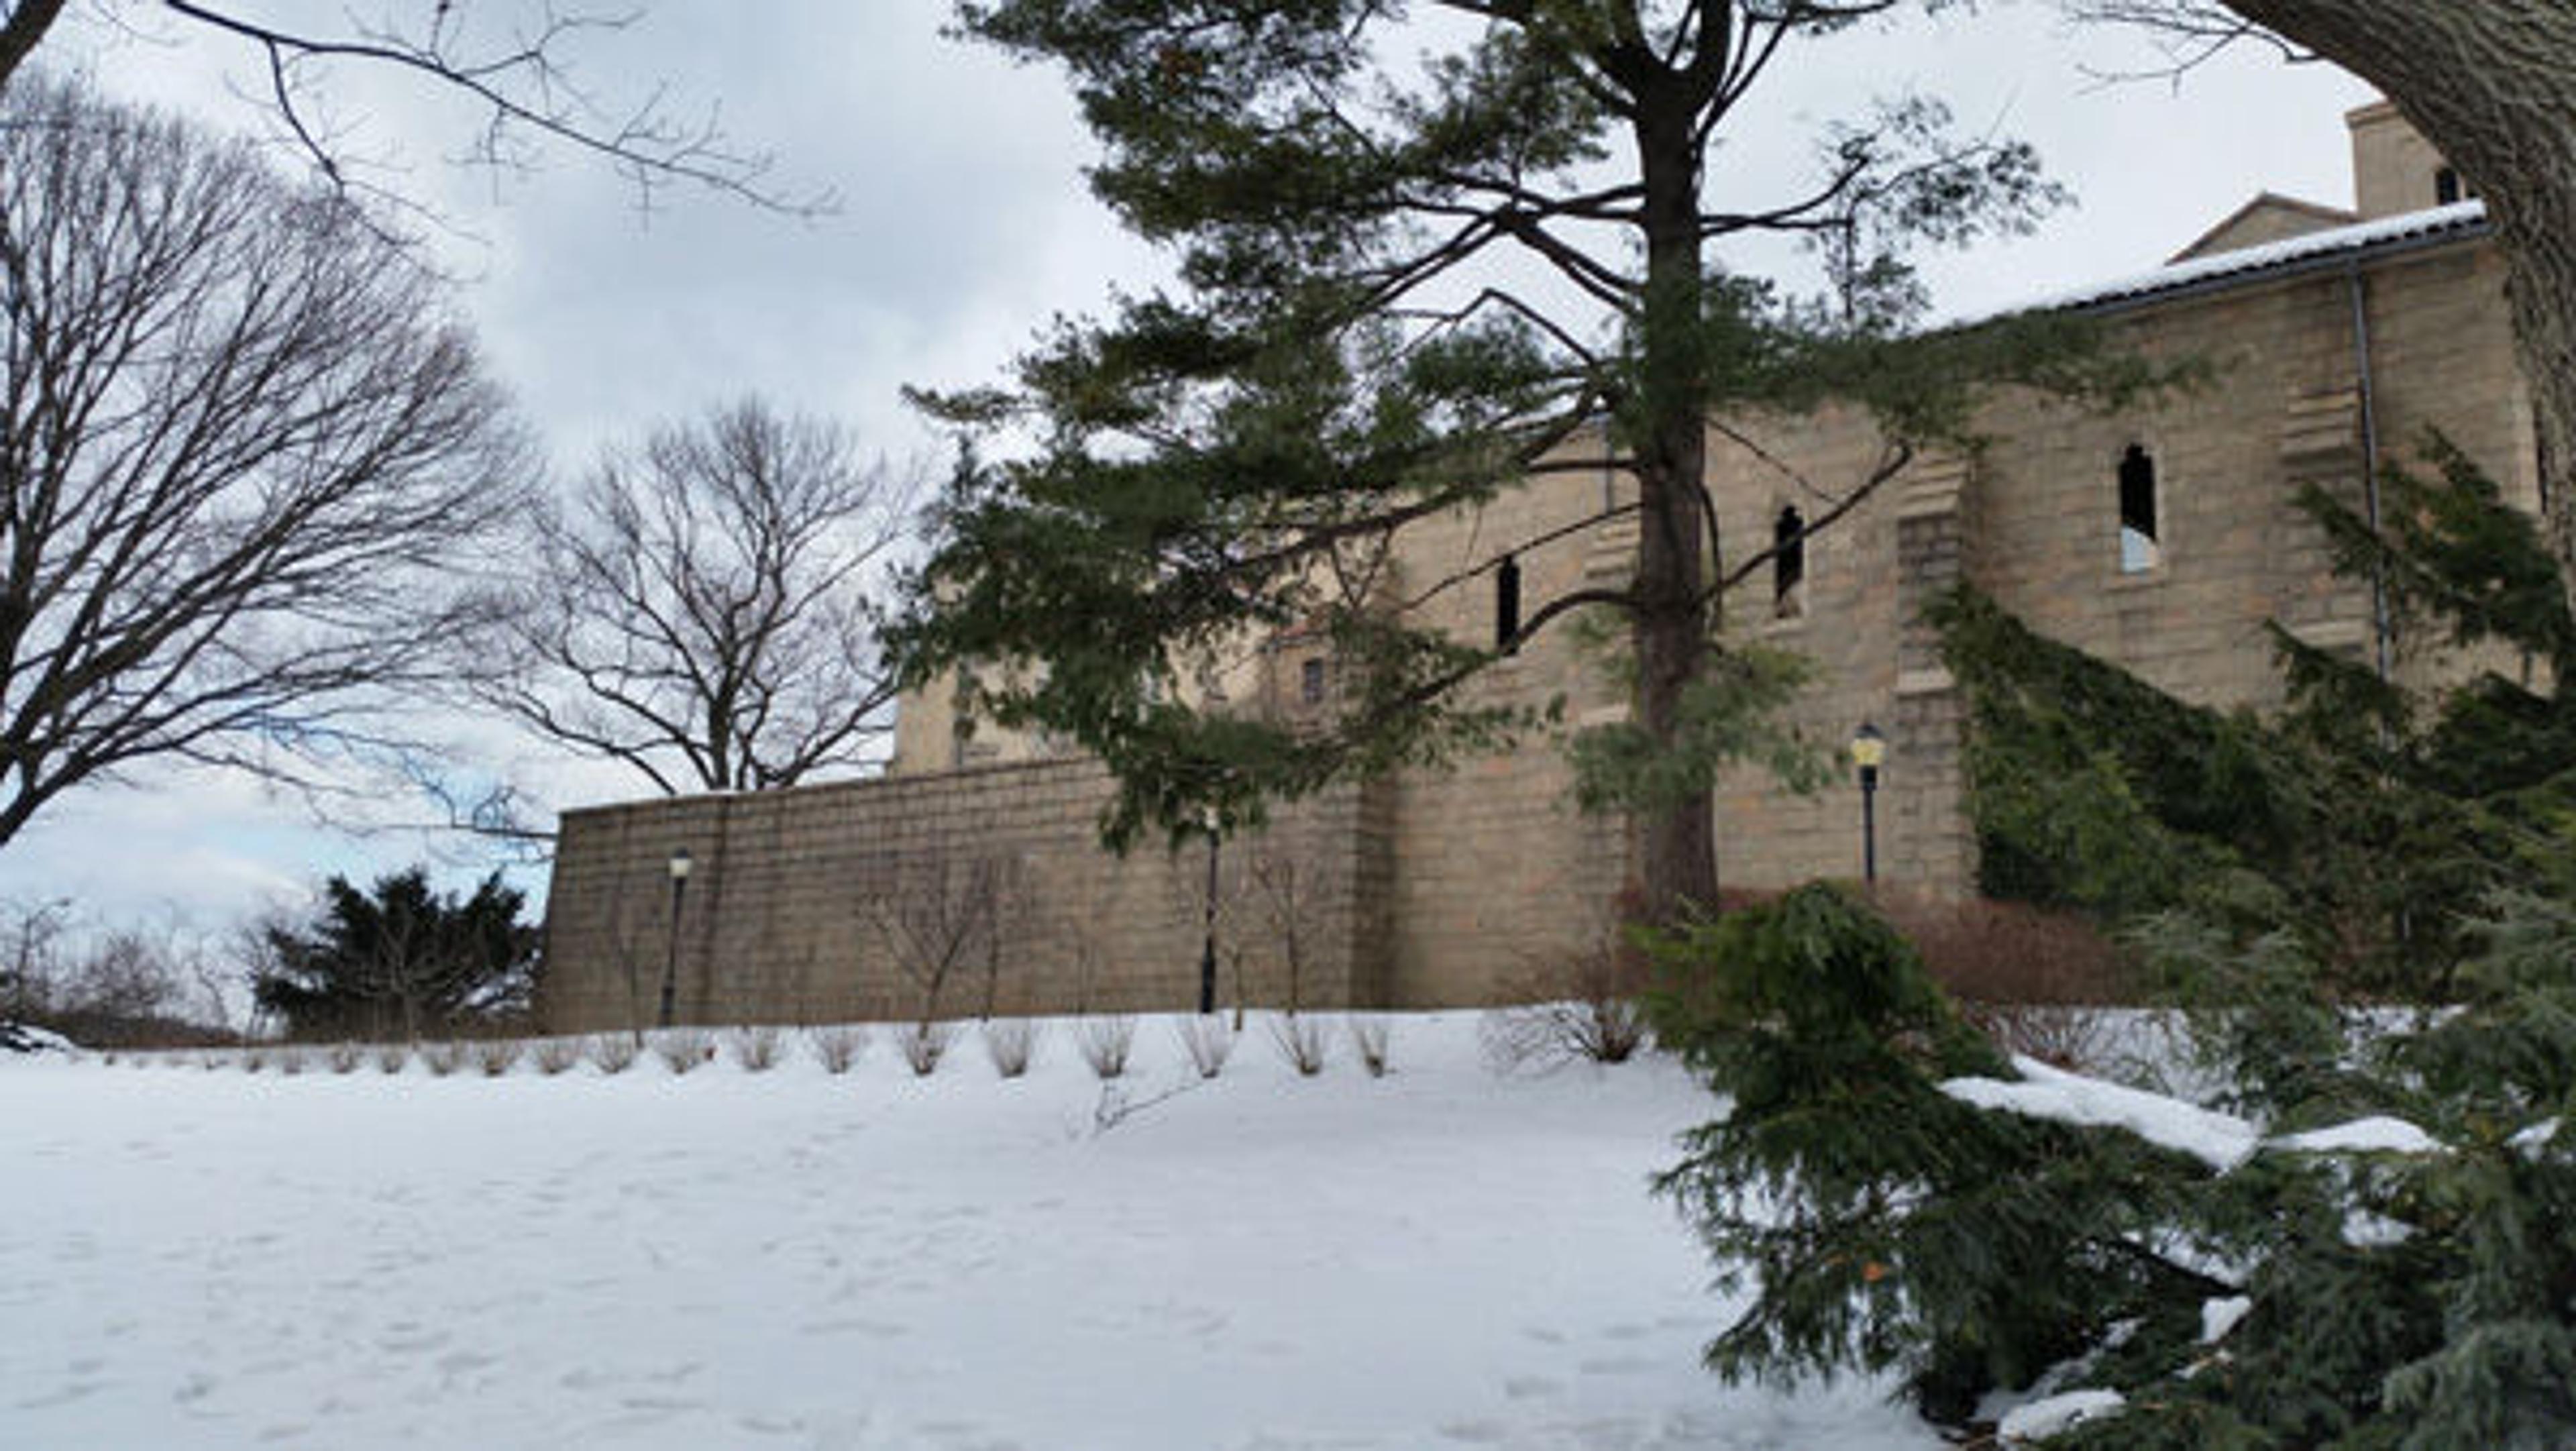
{"x":2335,"y":248}
{"x":2317,"y":251}
{"x":2291,"y":215}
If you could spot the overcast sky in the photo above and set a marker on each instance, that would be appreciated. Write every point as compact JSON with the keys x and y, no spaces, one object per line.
{"x":963,"y":226}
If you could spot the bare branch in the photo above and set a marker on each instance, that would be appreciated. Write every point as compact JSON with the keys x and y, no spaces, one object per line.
{"x":524,"y":84}
{"x":241,"y":454}
{"x":700,"y":610}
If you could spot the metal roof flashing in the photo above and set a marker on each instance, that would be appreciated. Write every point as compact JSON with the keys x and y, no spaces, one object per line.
{"x":2330,"y":250}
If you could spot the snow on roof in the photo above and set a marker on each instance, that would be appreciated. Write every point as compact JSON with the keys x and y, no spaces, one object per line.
{"x":2459,"y":221}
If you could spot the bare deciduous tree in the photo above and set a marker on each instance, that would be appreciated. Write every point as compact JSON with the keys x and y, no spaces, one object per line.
{"x":242,"y":448}
{"x":700,"y":610}
{"x":512,"y":62}
{"x":939,"y":916}
{"x":2494,"y":88}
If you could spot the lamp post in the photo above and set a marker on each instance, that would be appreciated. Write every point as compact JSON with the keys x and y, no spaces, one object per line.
{"x":680,"y":864}
{"x":1868,"y":752}
{"x":1207,"y":942}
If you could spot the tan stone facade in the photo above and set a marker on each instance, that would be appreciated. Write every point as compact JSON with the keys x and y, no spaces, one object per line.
{"x":2331,"y":346}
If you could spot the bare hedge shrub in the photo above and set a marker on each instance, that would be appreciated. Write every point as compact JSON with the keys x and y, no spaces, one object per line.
{"x":2071,"y":1036}
{"x":2011,"y":952}
{"x":1300,"y":1039}
{"x":1369,"y":1035}
{"x":1010,"y":1043}
{"x":755,"y":1048}
{"x":390,"y":1057}
{"x":444,"y":1056}
{"x":555,"y":1055}
{"x":925,"y":1043}
{"x":343,"y":1057}
{"x":254,"y":1060}
{"x":614,"y":1053}
{"x":683,"y":1049}
{"x":497,"y":1056}
{"x":838,"y":1046}
{"x":1208,"y":1039}
{"x":1543,"y":1037}
{"x":1577,"y":1003}
{"x":1106,"y":1043}
{"x":2034,"y":980}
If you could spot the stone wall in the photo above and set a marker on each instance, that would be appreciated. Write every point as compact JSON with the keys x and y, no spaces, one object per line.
{"x":838,"y":902}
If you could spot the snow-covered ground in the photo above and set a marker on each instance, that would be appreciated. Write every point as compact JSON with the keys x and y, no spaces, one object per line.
{"x":727,"y":1259}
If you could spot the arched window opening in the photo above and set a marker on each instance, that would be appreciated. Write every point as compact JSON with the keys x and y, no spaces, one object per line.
{"x":1788,"y":565}
{"x":2141,"y":548}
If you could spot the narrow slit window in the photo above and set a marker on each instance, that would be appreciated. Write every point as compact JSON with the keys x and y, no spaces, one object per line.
{"x":2446,"y":187}
{"x":1507,"y":606}
{"x":2141,"y":547}
{"x":1310,"y":682}
{"x":1788,"y":565}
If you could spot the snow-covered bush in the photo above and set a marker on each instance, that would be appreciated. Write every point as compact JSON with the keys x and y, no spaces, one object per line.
{"x":1877,"y":1221}
{"x":28,"y":1038}
{"x":1105,"y":1043}
{"x":683,"y":1050}
{"x":497,"y":1056}
{"x":390,"y":1057}
{"x":755,"y":1048}
{"x":1010,"y":1043}
{"x":444,"y":1056}
{"x":343,"y":1057}
{"x":555,"y":1056}
{"x":1208,"y":1040}
{"x":1369,"y":1036}
{"x":614,"y":1053}
{"x":838,"y":1045}
{"x":2364,"y":1243}
{"x":925,"y":1043}
{"x":1300,"y":1039}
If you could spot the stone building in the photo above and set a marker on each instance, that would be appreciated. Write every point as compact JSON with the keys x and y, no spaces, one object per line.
{"x":969,"y":877}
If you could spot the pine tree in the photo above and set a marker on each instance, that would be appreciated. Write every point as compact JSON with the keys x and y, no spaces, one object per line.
{"x":400,"y":960}
{"x":1354,"y":345}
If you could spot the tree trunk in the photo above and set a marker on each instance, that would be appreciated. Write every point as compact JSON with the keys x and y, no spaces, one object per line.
{"x":1677,"y":845}
{"x":2493,"y":86}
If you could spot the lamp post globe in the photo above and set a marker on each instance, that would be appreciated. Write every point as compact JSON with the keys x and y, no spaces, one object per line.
{"x":1868,"y":753}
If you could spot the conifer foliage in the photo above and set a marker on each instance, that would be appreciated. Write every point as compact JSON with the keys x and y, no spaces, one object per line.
{"x":2365,"y":906}
{"x":399,"y":960}
{"x":2373,"y":824}
{"x":1882,"y":1223}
